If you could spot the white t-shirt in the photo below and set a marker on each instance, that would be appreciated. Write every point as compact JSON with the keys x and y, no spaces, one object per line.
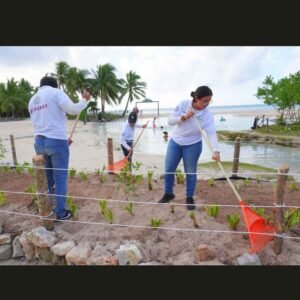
{"x":127,"y":134}
{"x":48,"y":108}
{"x":186,"y":132}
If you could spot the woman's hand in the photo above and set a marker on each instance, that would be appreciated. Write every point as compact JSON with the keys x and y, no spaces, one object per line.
{"x":187,"y":115}
{"x":216,"y":156}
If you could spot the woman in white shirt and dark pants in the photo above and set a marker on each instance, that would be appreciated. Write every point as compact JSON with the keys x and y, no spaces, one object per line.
{"x":186,"y":142}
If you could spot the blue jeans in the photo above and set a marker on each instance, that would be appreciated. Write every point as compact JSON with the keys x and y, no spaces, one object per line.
{"x":56,"y":153}
{"x":190,"y":155}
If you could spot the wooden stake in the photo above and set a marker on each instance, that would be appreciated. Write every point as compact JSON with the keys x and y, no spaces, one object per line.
{"x":13,"y":149}
{"x":110,"y":153}
{"x":236,"y":157}
{"x":278,"y":211}
{"x":41,"y":187}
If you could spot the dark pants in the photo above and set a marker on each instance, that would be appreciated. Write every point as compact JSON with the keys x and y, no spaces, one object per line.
{"x":125,"y":151}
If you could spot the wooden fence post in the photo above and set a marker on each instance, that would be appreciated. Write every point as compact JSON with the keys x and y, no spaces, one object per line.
{"x":110,"y":153}
{"x":278,"y":211}
{"x":236,"y":156}
{"x":13,"y":149}
{"x":41,"y":188}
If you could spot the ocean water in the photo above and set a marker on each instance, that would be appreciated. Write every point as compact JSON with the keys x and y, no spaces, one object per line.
{"x":266,"y":155}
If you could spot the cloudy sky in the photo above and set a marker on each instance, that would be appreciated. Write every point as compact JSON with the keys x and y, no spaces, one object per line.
{"x":171,"y":73}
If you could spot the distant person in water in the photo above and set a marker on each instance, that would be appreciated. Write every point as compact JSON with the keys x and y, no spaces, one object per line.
{"x":153,"y":122}
{"x":222,"y":119}
{"x":166,"y":135}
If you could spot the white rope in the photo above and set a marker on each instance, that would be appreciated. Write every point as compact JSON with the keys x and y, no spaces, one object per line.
{"x":284,"y":236}
{"x":155,"y":172}
{"x":148,"y":203}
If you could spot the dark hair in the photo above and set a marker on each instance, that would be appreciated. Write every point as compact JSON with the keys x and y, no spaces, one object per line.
{"x":201,"y":91}
{"x":46,"y":80}
{"x":132,"y":117}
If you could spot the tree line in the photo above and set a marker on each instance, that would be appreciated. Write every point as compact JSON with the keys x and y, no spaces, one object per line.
{"x":284,"y":96}
{"x":101,"y":82}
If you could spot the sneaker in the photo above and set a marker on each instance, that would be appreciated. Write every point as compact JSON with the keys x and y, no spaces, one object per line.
{"x":67,"y":216}
{"x":190,"y":203}
{"x":166,"y":198}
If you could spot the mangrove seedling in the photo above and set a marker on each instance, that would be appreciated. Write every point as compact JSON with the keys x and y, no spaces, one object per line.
{"x":108,"y":214}
{"x":293,"y":186}
{"x":149,"y":178}
{"x":291,"y":217}
{"x":233,"y":220}
{"x":6,"y":168}
{"x":246,"y":182}
{"x":193,"y":217}
{"x":72,"y":206}
{"x":19,"y":169}
{"x":213,"y":210}
{"x":179,"y":176}
{"x":100,"y":174}
{"x":211,"y":182}
{"x":103,"y":205}
{"x":3,"y":199}
{"x":259,"y":210}
{"x":32,"y":190}
{"x":72,"y":172}
{"x":129,"y":208}
{"x":29,"y":168}
{"x":155,"y":222}
{"x":83,"y":175}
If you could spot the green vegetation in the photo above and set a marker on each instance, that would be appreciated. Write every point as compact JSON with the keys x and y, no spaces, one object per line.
{"x":72,"y":206}
{"x":72,"y":173}
{"x":291,"y":217}
{"x":149,"y":178}
{"x":27,"y":165}
{"x":213,"y":210}
{"x":2,"y":150}
{"x":83,"y":175}
{"x":155,"y":222}
{"x":100,"y":174}
{"x":108,"y":214}
{"x":179,"y":176}
{"x":193,"y":217}
{"x":129,"y":208}
{"x":233,"y":220}
{"x":3,"y":199}
{"x":32,"y":190}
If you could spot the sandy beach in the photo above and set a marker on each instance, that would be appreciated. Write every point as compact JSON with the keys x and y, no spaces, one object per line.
{"x":88,"y":151}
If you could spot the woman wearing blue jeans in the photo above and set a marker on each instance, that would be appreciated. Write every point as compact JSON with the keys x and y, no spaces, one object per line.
{"x":186,"y":142}
{"x":48,"y":109}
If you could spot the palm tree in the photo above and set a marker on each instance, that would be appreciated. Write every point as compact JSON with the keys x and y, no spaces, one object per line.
{"x":106,"y":84}
{"x":62,"y":69}
{"x":133,"y":87}
{"x":13,"y":98}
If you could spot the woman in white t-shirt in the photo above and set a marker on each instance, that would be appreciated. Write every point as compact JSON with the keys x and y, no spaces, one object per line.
{"x":186,"y":142}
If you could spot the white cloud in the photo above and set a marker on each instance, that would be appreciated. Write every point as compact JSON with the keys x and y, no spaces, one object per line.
{"x":171,"y":73}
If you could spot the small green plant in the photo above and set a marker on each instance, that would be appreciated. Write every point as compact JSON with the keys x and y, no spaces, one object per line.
{"x":32,"y":190}
{"x":108,"y":214}
{"x":179,"y":176}
{"x":72,"y":172}
{"x":259,"y":210}
{"x":193,"y":217}
{"x":246,"y":182}
{"x":258,"y":182}
{"x":211,"y":182}
{"x":27,"y":165}
{"x":238,"y":184}
{"x":293,"y":186}
{"x":149,"y":178}
{"x":129,"y":208}
{"x":2,"y":150}
{"x":103,"y":205}
{"x":155,"y":222}
{"x":233,"y":220}
{"x":249,"y":199}
{"x":83,"y":175}
{"x":213,"y":210}
{"x":6,"y":168}
{"x":100,"y":174}
{"x":72,"y":206}
{"x":129,"y":181}
{"x":291,"y":217}
{"x":19,"y":169}
{"x":3,"y":199}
